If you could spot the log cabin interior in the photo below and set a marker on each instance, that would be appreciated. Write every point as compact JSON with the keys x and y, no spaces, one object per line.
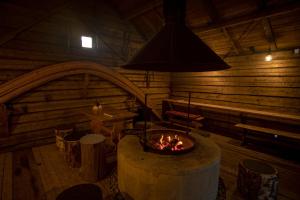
{"x":149,"y":100}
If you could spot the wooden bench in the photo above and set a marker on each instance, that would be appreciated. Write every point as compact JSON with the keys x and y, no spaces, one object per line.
{"x":237,"y":122}
{"x":184,"y":119}
{"x":257,"y":129}
{"x":184,"y":115}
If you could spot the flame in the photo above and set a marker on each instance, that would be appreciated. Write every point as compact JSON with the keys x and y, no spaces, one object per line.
{"x":161,"y":139}
{"x":167,"y":142}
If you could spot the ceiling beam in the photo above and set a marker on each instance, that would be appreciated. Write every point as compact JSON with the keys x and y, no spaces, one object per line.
{"x":214,"y":16}
{"x":16,"y":8}
{"x":235,"y":45}
{"x":269,"y":33}
{"x":211,"y":10}
{"x":243,"y":35}
{"x":140,"y":11}
{"x":13,"y":34}
{"x":258,"y":15}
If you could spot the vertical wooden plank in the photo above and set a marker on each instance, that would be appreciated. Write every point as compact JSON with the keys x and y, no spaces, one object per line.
{"x":2,"y":156}
{"x":26,"y":178}
{"x":4,"y":125}
{"x":7,"y":180}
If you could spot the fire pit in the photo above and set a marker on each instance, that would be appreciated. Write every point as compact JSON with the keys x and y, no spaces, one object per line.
{"x":169,"y":141}
{"x":145,"y":175}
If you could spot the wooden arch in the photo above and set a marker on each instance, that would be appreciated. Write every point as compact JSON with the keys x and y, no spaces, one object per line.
{"x":33,"y":79}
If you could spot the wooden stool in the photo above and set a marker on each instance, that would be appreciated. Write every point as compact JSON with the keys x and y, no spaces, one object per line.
{"x":81,"y":192}
{"x":61,"y":132}
{"x":257,"y":180}
{"x":72,"y":150}
{"x":92,"y":157}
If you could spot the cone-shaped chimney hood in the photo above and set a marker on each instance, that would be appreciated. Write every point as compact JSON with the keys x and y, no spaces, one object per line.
{"x":175,"y":48}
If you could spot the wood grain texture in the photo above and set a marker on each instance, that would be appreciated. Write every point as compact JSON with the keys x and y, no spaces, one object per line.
{"x":6,"y":174}
{"x":50,"y":164}
{"x":57,"y":39}
{"x":232,"y":154}
{"x":249,"y":83}
{"x":43,"y":75}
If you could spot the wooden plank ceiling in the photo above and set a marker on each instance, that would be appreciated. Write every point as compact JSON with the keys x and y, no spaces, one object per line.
{"x":230,"y":27}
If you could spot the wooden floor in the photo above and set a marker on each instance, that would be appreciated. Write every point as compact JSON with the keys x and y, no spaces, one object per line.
{"x":41,"y":172}
{"x":233,"y":153}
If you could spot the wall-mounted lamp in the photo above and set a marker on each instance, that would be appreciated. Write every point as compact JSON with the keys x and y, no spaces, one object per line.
{"x":268,"y":57}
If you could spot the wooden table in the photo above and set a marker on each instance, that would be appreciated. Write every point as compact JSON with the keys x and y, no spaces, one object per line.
{"x":117,"y":117}
{"x":114,"y":116}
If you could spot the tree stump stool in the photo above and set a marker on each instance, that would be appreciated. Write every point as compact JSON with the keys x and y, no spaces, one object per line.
{"x":72,"y":150}
{"x":81,"y":192}
{"x":257,"y":180}
{"x":60,"y":133}
{"x":92,"y":157}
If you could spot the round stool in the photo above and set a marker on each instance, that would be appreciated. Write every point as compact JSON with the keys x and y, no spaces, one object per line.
{"x":60,"y":133}
{"x":72,"y":150}
{"x":92,"y":157}
{"x":81,"y":192}
{"x":257,"y":180}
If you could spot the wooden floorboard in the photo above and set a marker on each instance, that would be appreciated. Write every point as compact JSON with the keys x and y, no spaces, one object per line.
{"x":56,"y":175}
{"x":26,"y":178}
{"x":42,"y":173}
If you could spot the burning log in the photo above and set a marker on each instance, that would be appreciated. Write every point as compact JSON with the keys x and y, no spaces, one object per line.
{"x":169,"y":141}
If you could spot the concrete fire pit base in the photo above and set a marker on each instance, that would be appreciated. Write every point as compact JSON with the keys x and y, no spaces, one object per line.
{"x":148,"y":176}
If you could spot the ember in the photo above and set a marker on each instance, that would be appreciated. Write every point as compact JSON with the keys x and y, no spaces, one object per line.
{"x":168,"y":141}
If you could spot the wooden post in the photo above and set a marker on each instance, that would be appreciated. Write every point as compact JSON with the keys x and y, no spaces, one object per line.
{"x":92,"y":157}
{"x":4,"y":120}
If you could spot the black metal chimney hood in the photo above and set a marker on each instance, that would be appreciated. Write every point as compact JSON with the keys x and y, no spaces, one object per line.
{"x":175,"y":48}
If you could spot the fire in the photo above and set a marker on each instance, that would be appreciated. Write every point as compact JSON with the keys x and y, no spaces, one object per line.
{"x":169,"y":143}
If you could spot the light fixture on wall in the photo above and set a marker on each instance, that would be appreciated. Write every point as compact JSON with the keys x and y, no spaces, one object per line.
{"x":268,"y":57}
{"x":175,"y":48}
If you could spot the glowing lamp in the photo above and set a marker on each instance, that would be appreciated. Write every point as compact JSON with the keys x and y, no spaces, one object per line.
{"x":268,"y":58}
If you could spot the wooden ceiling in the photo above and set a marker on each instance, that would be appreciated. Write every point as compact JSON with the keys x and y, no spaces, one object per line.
{"x":231,"y":27}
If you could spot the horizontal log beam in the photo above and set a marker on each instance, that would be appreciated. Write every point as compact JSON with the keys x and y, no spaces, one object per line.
{"x":236,"y":47}
{"x":11,"y":35}
{"x":269,"y":33}
{"x":140,"y":11}
{"x":258,"y":15}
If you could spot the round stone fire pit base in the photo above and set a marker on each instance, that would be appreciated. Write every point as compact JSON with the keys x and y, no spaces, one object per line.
{"x":149,"y":176}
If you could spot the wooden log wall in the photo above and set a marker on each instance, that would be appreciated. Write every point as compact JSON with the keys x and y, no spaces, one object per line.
{"x":57,"y":39}
{"x":250,"y":83}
